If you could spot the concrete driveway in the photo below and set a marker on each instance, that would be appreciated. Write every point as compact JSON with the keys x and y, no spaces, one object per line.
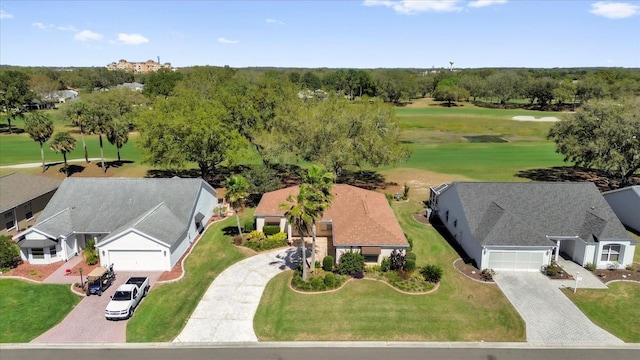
{"x":86,"y":322}
{"x":226,"y":311}
{"x":549,"y":315}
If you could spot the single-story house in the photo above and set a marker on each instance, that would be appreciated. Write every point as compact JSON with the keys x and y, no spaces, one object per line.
{"x":137,"y":224}
{"x":357,"y":220}
{"x":524,"y":226}
{"x":625,"y":203}
{"x":22,"y":199}
{"x":134,"y":86}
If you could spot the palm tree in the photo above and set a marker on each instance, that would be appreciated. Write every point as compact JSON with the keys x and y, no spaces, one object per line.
{"x":98,"y":122}
{"x":63,"y":142}
{"x":39,"y":127}
{"x":236,"y":194}
{"x":118,"y":134}
{"x":320,"y":182}
{"x":78,"y":113}
{"x":298,"y":214}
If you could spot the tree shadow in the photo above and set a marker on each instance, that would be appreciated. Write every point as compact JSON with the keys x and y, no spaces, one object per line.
{"x":230,"y":230}
{"x":4,"y":129}
{"x":600,"y":178}
{"x":117,"y":163}
{"x":72,"y":169}
{"x":366,"y":179}
{"x":163,"y":173}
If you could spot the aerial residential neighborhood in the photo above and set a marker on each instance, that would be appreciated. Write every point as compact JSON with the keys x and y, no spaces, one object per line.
{"x":319,"y":176}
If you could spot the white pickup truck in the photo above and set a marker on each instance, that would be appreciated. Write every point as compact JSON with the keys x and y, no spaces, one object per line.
{"x":127,"y":298}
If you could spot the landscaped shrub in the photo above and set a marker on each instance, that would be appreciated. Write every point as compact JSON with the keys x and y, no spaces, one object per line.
{"x":590,"y":266}
{"x":410,"y":241}
{"x":410,"y":265}
{"x":327,"y":263}
{"x":358,"y":275}
{"x":258,"y":242}
{"x":317,"y":282}
{"x":330,"y":280}
{"x":486,"y":275}
{"x":248,"y":227}
{"x":9,"y":253}
{"x":398,"y":260}
{"x":385,"y":265}
{"x":432,"y":273}
{"x":405,"y":191}
{"x":90,"y":253}
{"x":281,"y":236}
{"x":411,"y":256}
{"x":372,"y":269}
{"x":350,"y":263}
{"x":551,"y":270}
{"x":256,"y":235}
{"x":238,"y":240}
{"x":271,"y":229}
{"x":631,"y":267}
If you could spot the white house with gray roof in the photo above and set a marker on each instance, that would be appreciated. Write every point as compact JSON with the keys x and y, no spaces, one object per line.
{"x":138,"y":224}
{"x":625,"y":203}
{"x":524,"y":226}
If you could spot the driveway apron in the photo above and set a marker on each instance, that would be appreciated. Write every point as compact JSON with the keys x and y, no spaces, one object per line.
{"x":86,"y":322}
{"x":226,"y":311}
{"x":549,"y":315}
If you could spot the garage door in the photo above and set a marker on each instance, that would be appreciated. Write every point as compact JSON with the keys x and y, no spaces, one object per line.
{"x":516,"y":260}
{"x":136,"y":260}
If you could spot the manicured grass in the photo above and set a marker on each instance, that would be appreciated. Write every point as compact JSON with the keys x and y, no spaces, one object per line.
{"x":27,"y":310}
{"x":615,"y":309}
{"x":165,"y":311}
{"x":19,"y":149}
{"x":460,"y":310}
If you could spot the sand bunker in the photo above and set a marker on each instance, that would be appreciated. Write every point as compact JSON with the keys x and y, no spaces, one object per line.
{"x":531,"y":118}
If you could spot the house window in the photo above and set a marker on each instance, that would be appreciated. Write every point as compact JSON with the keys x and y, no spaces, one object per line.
{"x":37,"y":253}
{"x":446,"y":216}
{"x":455,"y":223}
{"x":28,"y":213}
{"x":9,"y":220}
{"x":52,"y":251}
{"x":610,"y":253}
{"x":371,"y":258}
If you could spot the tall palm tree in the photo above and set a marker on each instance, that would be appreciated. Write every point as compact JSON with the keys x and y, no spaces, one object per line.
{"x":320,"y":182}
{"x":236,"y":194}
{"x":40,"y":128}
{"x":298,"y":214}
{"x":78,"y":113}
{"x":118,"y":134}
{"x":98,"y":122}
{"x":63,"y":142}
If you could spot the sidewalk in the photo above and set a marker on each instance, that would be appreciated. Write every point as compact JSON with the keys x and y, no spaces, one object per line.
{"x":59,"y":276}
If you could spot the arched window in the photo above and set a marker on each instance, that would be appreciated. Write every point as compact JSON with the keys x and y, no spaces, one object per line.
{"x":610,"y":252}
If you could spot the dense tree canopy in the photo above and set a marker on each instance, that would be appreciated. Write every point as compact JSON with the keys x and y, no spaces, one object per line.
{"x":14,"y":94}
{"x":602,"y":134}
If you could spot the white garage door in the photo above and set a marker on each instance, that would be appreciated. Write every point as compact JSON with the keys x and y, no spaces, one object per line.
{"x":136,"y":260}
{"x":516,"y":260}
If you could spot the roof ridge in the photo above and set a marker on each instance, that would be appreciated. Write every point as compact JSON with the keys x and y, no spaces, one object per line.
{"x":147,"y":214}
{"x":54,"y":215}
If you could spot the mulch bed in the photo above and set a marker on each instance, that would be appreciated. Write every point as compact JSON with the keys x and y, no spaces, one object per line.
{"x":34,"y":272}
{"x":86,"y":269}
{"x":421,"y":217}
{"x":470,"y":271}
{"x":606,"y":275}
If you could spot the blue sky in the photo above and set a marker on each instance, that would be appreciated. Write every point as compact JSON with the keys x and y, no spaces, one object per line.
{"x":347,"y":34}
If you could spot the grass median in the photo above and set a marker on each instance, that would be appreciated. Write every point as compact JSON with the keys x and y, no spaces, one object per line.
{"x":460,"y":310}
{"x":28,"y":309}
{"x":167,"y":308}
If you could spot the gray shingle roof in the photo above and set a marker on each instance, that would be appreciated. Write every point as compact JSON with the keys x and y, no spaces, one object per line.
{"x":19,"y":188}
{"x":524,"y":214}
{"x":158,"y":207}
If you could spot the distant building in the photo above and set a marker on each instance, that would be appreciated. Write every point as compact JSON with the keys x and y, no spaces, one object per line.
{"x":134,"y":86}
{"x":138,"y":67}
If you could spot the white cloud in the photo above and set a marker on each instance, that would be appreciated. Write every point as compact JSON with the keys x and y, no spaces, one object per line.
{"x":87,"y":35}
{"x":227,"y":41}
{"x":5,"y":15}
{"x":67,"y":28}
{"x":614,"y":10}
{"x":483,"y":3}
{"x":132,"y":39}
{"x":416,"y":6}
{"x":274,"y":21}
{"x":41,"y":26}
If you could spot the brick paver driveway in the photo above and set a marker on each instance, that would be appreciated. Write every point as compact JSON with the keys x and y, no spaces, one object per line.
{"x":86,"y":322}
{"x":549,"y":315}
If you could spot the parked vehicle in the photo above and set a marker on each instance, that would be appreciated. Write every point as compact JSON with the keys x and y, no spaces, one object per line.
{"x":126,"y":299}
{"x":99,"y":279}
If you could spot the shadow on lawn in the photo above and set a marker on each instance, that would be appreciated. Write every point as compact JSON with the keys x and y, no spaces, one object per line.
{"x":600,"y":178}
{"x":442,"y":230}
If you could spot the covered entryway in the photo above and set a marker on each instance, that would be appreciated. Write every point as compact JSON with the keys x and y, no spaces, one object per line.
{"x":136,"y":260}
{"x":501,"y":260}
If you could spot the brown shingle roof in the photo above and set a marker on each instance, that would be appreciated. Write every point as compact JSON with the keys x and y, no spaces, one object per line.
{"x":360,"y":217}
{"x":19,"y":188}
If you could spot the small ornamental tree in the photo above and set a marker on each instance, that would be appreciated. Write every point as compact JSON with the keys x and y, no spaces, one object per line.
{"x":350,"y":263}
{"x":90,"y":252}
{"x":432,"y":273}
{"x":398,"y":260}
{"x":9,"y":252}
{"x":328,"y":263}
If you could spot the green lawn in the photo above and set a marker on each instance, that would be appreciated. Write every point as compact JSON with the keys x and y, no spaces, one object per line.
{"x":27,"y":309}
{"x":18,"y":149}
{"x":167,"y":308}
{"x":460,"y":310}
{"x":615,"y":309}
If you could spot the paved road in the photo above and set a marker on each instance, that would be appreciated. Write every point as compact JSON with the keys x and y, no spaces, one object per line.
{"x":226,"y":311}
{"x":317,"y":351}
{"x":86,"y":322}
{"x":549,"y":315}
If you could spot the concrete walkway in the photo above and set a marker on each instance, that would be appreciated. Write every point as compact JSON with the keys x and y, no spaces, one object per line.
{"x":587,"y":279}
{"x":60,"y":276}
{"x":549,"y":315}
{"x":226,"y":311}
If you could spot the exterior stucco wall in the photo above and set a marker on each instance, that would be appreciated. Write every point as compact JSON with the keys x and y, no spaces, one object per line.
{"x":37,"y":205}
{"x":626,"y":204}
{"x":626,"y":253}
